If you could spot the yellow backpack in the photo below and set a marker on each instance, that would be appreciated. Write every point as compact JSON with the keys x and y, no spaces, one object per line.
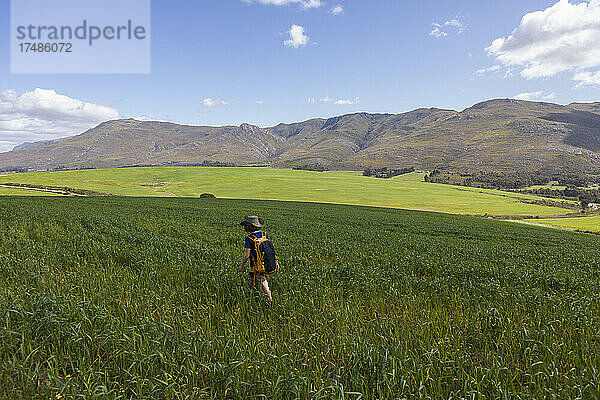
{"x":264,"y":257}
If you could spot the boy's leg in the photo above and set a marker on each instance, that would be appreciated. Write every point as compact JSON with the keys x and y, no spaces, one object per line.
{"x":265,"y":288}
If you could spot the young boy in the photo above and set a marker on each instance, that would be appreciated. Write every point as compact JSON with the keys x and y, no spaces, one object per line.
{"x":256,"y":253}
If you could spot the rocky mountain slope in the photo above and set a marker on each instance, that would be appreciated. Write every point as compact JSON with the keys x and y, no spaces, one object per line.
{"x":493,"y":135}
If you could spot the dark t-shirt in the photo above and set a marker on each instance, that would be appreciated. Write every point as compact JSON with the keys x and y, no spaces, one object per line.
{"x":249,"y":244}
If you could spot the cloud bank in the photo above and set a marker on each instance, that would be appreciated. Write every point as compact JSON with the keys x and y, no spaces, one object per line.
{"x":44,"y":114}
{"x":304,"y":4}
{"x":561,"y":38}
{"x":331,"y":100}
{"x":535,"y":96}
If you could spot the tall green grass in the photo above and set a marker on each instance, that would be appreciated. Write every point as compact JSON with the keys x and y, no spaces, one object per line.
{"x":115,"y":298}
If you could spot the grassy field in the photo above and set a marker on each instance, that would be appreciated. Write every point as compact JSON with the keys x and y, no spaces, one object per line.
{"x":408,"y":191}
{"x":23,"y":192}
{"x":114,"y":298}
{"x":583,"y":223}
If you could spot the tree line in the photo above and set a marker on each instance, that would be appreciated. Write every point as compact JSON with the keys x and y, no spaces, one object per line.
{"x":387,"y":173}
{"x":510,"y":179}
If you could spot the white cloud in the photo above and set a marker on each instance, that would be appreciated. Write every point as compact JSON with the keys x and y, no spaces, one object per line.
{"x":331,"y":100}
{"x":260,"y":102}
{"x":457,"y":24}
{"x":343,"y":102}
{"x":535,"y":96}
{"x":587,"y":78}
{"x":437,"y":31}
{"x":483,"y":71}
{"x":441,"y":30}
{"x":304,"y":4}
{"x":337,"y":10}
{"x":561,"y":38}
{"x":151,"y":118}
{"x":210,"y":102}
{"x":297,"y":37}
{"x":311,"y":4}
{"x":44,"y":114}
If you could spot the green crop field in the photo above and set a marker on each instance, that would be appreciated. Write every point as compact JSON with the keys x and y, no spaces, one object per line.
{"x":118,"y":298}
{"x":408,"y":191}
{"x":582,"y":223}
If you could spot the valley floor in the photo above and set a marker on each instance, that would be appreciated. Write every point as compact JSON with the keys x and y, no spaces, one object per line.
{"x":406,"y":191}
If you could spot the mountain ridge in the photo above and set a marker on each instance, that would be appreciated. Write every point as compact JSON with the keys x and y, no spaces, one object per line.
{"x":492,"y":135}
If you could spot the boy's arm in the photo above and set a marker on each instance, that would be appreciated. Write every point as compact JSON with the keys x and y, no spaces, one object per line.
{"x":246,"y":257}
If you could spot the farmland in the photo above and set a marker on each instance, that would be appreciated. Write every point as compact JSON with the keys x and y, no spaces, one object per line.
{"x":22,"y":192}
{"x":407,"y":191}
{"x":583,"y":223}
{"x":123,"y":297}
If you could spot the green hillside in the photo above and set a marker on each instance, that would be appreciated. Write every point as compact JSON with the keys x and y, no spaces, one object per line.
{"x":140,"y":298}
{"x":408,"y":191}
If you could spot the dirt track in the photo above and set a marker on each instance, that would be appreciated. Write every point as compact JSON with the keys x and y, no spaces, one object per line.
{"x":62,"y":192}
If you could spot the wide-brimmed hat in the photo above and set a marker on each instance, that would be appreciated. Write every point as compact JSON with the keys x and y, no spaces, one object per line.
{"x":253,"y":221}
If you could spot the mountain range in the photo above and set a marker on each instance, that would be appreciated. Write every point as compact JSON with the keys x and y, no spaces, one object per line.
{"x":493,"y":135}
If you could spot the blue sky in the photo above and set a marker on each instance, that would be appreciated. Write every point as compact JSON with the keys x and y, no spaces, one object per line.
{"x":217,"y":62}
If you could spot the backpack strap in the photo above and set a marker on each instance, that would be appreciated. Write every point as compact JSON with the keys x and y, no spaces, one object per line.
{"x":258,"y":255}
{"x":258,"y":261}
